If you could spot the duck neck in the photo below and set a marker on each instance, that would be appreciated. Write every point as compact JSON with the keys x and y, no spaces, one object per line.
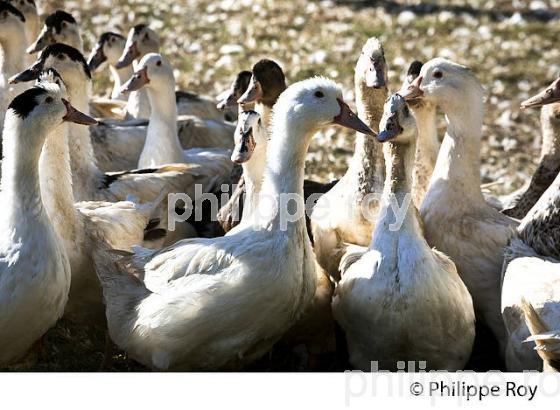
{"x":85,"y":173}
{"x":162,"y":145}
{"x":12,"y":56}
{"x":253,"y":172}
{"x":458,"y":164}
{"x":366,"y":170}
{"x":550,"y":128}
{"x":427,"y":147}
{"x":56,"y":182}
{"x":284,"y":174}
{"x":120,"y":76}
{"x":31,"y":27}
{"x":265,"y":111}
{"x":399,"y":159}
{"x":20,"y":175}
{"x":538,"y":227}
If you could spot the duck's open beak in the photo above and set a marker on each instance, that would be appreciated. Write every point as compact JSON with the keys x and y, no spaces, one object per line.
{"x":128,"y":57}
{"x":374,"y":74}
{"x":138,"y":80}
{"x":31,"y":74}
{"x":390,"y":128}
{"x":96,"y":58}
{"x":548,"y":96}
{"x":254,"y":92}
{"x":413,"y":90}
{"x":244,"y":146}
{"x":348,"y":119}
{"x":78,"y":117}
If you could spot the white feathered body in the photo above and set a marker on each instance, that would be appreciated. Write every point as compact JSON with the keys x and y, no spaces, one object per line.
{"x":537,"y":279}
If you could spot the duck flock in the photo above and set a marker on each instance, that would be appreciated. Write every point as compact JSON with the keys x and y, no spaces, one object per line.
{"x":403,"y":259}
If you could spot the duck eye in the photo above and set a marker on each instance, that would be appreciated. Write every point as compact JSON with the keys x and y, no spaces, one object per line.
{"x":4,"y":14}
{"x":60,"y":57}
{"x":49,"y":100}
{"x":438,"y":74}
{"x":158,"y":63}
{"x":319,"y":94}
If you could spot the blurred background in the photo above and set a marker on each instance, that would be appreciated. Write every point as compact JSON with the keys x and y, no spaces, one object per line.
{"x":510,"y":45}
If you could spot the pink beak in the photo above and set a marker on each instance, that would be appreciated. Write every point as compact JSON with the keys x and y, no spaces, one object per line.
{"x":413,"y":90}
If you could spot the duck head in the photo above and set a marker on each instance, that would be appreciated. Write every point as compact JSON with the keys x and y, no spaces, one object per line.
{"x":109,"y":48}
{"x":371,"y":68}
{"x":549,"y":95}
{"x":315,"y":103}
{"x":412,"y":74}
{"x":237,"y":89}
{"x":445,"y":84}
{"x":266,"y":84}
{"x":59,"y":27}
{"x":12,"y":22}
{"x":153,"y":71}
{"x":249,"y":133}
{"x":397,"y":123}
{"x":66,"y":60}
{"x":43,"y":108}
{"x":141,"y":40}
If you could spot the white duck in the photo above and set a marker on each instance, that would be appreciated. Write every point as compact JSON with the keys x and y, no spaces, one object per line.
{"x":427,"y":146}
{"x":34,"y":269}
{"x":346,"y":214}
{"x":162,"y":146}
{"x":315,"y":328}
{"x":142,"y":40}
{"x":59,"y":27}
{"x":401,"y":300}
{"x":29,"y":11}
{"x":109,"y":48}
{"x":457,"y":219}
{"x":84,"y":226}
{"x":255,"y":281}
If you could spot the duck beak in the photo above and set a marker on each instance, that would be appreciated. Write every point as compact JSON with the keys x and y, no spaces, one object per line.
{"x":413,"y":90}
{"x":137,"y":81}
{"x":348,"y":119}
{"x":32,"y":73}
{"x":254,"y":92}
{"x":548,"y":96}
{"x":73,"y":115}
{"x":39,"y":44}
{"x":128,"y":57}
{"x":96,"y":58}
{"x":244,"y":146}
{"x":374,"y":75}
{"x":228,"y":101}
{"x":390,"y":128}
